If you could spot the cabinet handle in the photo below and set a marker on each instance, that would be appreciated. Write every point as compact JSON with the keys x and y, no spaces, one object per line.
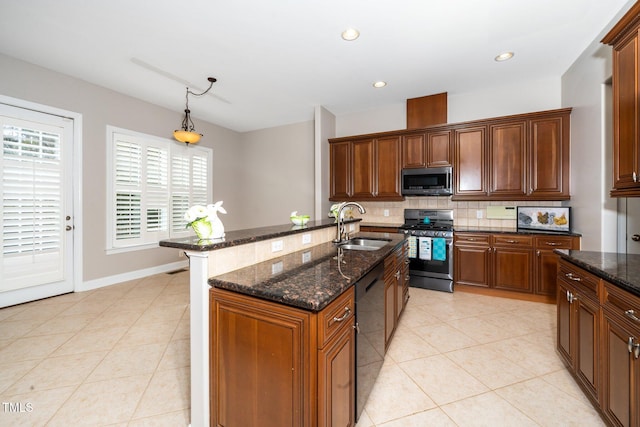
{"x":347,"y":312}
{"x":407,"y":262}
{"x":568,"y":296}
{"x":511,"y":241}
{"x":636,"y":350}
{"x":632,"y":315}
{"x":630,"y":344}
{"x":470,"y":239}
{"x":538,"y":253}
{"x":553,"y":243}
{"x":573,"y":277}
{"x":635,"y":177}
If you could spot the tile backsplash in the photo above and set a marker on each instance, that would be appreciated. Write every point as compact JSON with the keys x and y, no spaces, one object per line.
{"x":464,"y":213}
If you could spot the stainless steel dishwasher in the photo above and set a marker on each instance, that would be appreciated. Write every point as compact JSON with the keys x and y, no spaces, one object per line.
{"x":370,"y":333}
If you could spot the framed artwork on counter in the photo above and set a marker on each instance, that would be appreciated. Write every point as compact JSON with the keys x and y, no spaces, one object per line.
{"x":544,"y":218}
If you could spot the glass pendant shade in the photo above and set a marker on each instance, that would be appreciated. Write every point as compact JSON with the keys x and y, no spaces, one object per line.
{"x":187,"y":136}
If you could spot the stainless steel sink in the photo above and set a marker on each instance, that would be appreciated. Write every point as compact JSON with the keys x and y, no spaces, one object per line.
{"x":363,"y":244}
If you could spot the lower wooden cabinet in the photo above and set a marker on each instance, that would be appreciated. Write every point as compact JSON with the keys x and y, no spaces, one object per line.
{"x":578,"y":326}
{"x":598,"y":337}
{"x":621,"y":356}
{"x":396,"y":289}
{"x":523,"y":263}
{"x":273,"y":365}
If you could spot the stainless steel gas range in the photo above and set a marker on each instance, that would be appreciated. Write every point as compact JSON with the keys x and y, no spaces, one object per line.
{"x":430,"y":235}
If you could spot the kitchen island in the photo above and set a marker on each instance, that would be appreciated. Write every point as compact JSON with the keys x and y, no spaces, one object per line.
{"x":287,"y":265}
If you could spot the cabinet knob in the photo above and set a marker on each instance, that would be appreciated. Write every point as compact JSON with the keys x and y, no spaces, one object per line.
{"x":636,"y":237}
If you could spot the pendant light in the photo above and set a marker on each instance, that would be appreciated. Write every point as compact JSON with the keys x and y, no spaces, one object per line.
{"x":187,"y":133}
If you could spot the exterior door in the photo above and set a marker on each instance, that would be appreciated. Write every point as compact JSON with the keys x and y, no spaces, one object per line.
{"x":36,"y":240}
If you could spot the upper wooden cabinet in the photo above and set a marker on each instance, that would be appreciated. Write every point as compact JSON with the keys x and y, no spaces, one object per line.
{"x":520,"y":157}
{"x":365,"y":169}
{"x":626,"y":120}
{"x":426,"y":149}
{"x":470,"y":166}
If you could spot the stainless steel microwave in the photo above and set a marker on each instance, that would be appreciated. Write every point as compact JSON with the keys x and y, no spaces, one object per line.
{"x":427,"y":182}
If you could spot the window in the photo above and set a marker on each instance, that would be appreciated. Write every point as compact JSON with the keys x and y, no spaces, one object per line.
{"x":153,"y":181}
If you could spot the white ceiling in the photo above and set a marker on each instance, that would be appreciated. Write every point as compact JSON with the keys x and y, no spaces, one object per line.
{"x":275,"y":60}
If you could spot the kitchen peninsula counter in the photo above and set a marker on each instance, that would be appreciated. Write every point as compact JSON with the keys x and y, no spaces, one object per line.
{"x":250,"y":235}
{"x":251,"y":252}
{"x":623,"y":270}
{"x":309,"y":279}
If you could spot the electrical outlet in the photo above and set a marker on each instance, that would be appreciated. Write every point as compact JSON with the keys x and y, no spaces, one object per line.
{"x":180,"y":253}
{"x":306,"y":257}
{"x":277,"y":267}
{"x":277,"y":246}
{"x":352,"y":227}
{"x":479,"y":214}
{"x":306,"y":239}
{"x":385,"y":212}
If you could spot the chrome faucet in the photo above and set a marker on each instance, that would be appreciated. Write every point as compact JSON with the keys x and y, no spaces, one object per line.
{"x":340,"y":235}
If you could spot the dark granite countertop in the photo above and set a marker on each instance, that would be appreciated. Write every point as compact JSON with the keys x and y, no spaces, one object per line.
{"x":509,"y":230}
{"x":622,"y":270}
{"x":309,"y":279}
{"x":381,"y":224}
{"x":251,"y":235}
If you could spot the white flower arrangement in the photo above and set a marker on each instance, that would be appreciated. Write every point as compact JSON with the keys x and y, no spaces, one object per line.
{"x":204,"y":220}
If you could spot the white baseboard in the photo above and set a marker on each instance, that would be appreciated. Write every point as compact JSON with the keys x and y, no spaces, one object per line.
{"x":132,"y":275}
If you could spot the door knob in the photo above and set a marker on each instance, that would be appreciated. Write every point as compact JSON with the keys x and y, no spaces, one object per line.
{"x":636,"y":237}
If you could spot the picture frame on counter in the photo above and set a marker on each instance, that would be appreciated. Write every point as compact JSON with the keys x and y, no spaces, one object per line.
{"x":544,"y":218}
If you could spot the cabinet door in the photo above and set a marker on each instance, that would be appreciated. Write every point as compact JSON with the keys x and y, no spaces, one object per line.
{"x":362,"y":169}
{"x":618,"y":366}
{"x":413,"y":151}
{"x":625,"y":113}
{"x":564,"y":310}
{"x":389,"y":310}
{"x":507,"y":160}
{"x":471,"y":265}
{"x":340,"y":171}
{"x":549,"y":158}
{"x":469,"y":163}
{"x":387,"y":168}
{"x":512,"y":269}
{"x":336,"y":380}
{"x":438,"y":149}
{"x":546,"y":269}
{"x":587,"y":345}
{"x":257,"y":347}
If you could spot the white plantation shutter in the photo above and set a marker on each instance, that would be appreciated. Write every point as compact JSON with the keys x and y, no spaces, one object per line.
{"x":154,"y":182}
{"x":32,"y":197}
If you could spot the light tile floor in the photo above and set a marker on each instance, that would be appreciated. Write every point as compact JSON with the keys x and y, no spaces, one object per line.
{"x":119,"y":356}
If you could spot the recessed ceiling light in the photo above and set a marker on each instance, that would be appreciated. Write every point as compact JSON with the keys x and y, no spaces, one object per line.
{"x":379,"y":84}
{"x":350,"y":34}
{"x":504,"y":56}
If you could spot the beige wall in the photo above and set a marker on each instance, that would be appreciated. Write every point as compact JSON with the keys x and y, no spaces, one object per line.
{"x":584,"y":88}
{"x":101,"y":107}
{"x":277,"y":174}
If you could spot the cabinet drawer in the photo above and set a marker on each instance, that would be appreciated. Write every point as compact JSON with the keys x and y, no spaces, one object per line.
{"x":584,"y":281}
{"x":621,"y":302}
{"x":554,"y":242}
{"x":472,"y":239}
{"x":339,"y":313}
{"x":509,"y":240}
